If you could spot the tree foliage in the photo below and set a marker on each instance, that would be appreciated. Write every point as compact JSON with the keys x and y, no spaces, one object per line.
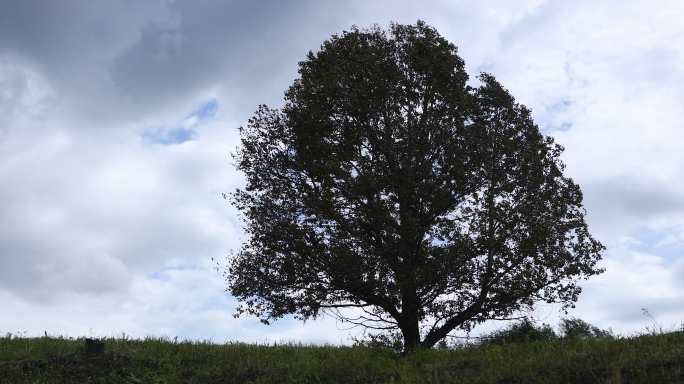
{"x":388,"y":186}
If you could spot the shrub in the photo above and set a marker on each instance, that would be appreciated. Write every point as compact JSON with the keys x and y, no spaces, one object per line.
{"x":391,"y":340}
{"x":574,"y":328}
{"x":523,"y":331}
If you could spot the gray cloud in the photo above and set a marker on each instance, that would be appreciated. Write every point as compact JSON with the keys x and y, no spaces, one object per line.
{"x":240,"y":49}
{"x":70,"y":42}
{"x":619,"y":204}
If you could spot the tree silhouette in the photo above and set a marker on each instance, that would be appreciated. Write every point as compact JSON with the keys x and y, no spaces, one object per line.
{"x":388,"y":185}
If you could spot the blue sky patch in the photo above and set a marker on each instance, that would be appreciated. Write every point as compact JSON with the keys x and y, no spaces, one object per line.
{"x":169,"y":137}
{"x":560,"y":106}
{"x":206,"y":110}
{"x":186,"y":129}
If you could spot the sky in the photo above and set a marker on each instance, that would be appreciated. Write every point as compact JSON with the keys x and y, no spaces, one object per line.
{"x":117,"y":120}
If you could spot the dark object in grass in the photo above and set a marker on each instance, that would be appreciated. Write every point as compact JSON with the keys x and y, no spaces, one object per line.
{"x":94,"y":347}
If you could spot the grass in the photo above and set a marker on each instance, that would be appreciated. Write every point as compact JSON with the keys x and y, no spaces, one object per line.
{"x":643,"y":359}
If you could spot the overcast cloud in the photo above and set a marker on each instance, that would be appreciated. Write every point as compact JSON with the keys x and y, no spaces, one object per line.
{"x":117,"y":119}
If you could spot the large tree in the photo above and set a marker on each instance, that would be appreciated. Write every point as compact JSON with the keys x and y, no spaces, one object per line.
{"x":388,"y":185}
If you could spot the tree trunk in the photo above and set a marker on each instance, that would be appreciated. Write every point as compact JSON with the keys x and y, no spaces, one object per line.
{"x":411,"y":334}
{"x":409,"y":324}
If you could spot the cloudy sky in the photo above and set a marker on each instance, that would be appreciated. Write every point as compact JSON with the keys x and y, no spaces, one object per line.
{"x":117,"y":119}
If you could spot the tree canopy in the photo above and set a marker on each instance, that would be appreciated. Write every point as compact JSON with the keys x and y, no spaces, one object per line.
{"x":389,"y":186}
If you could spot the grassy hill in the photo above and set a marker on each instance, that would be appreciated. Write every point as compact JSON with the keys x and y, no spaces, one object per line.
{"x":643,"y":359}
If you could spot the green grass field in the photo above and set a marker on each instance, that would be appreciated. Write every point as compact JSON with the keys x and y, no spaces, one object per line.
{"x":643,"y":359}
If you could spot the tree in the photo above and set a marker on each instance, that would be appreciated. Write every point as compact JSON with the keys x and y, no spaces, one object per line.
{"x":388,"y":186}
